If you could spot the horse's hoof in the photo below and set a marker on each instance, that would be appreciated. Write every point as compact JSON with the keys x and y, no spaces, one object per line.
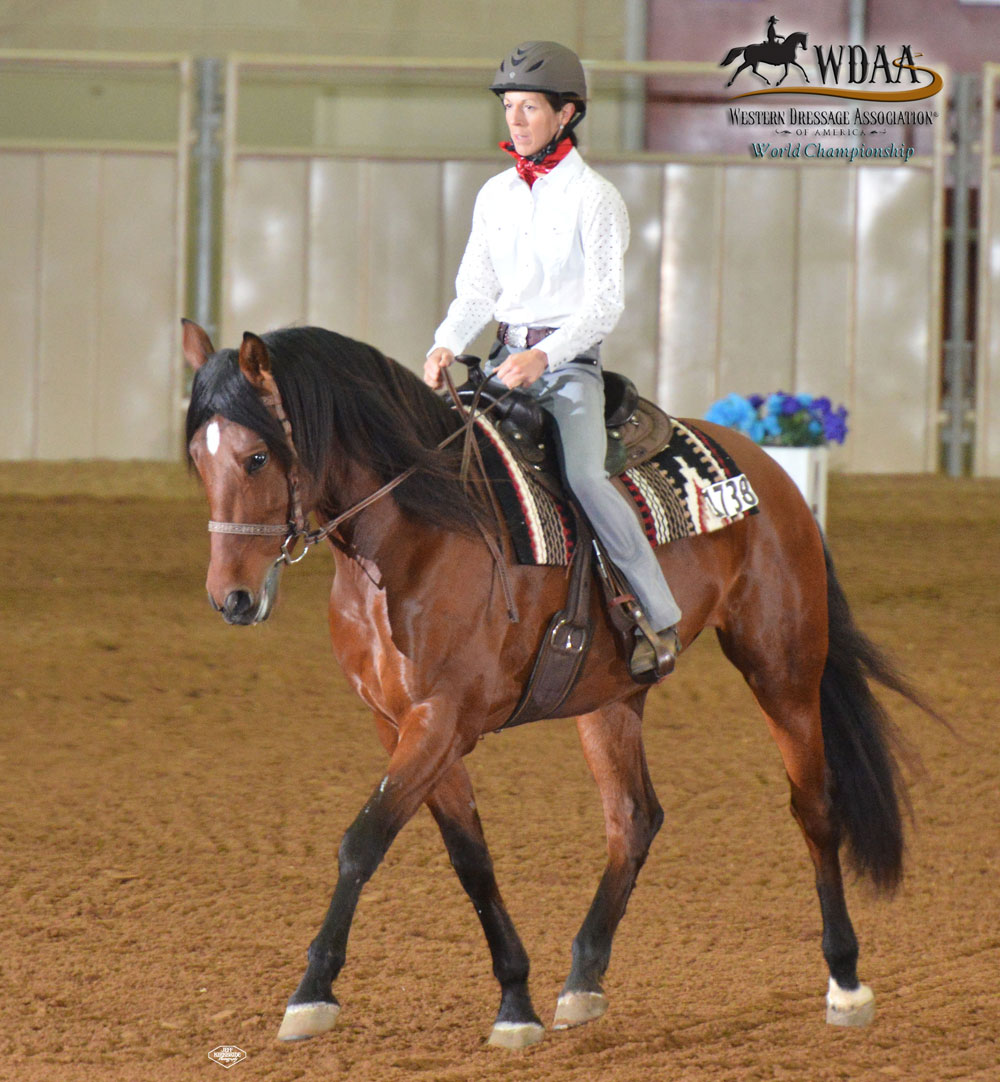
{"x":516,"y":1035}
{"x":576,"y":1008}
{"x":304,"y":1020}
{"x":849,"y":1008}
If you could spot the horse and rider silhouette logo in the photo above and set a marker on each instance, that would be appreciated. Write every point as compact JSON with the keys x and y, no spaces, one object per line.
{"x":777,"y":50}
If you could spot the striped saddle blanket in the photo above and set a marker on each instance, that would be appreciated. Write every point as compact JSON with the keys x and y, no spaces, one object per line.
{"x":691,"y":486}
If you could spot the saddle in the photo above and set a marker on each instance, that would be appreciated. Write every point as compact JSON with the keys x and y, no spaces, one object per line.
{"x":636,"y":430}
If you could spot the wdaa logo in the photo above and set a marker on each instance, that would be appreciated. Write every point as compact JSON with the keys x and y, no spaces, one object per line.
{"x":836,"y":64}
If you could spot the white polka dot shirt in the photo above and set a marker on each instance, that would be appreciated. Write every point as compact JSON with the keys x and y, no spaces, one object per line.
{"x":551,"y":255}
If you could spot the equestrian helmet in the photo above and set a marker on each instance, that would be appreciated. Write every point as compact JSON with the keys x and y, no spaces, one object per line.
{"x":543,"y":66}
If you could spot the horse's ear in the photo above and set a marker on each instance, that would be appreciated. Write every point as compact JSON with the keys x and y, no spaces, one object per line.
{"x":197,"y":345}
{"x":255,"y":361}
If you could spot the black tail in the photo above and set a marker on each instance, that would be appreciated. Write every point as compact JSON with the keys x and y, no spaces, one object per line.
{"x":861,"y":743}
{"x":731,"y":55}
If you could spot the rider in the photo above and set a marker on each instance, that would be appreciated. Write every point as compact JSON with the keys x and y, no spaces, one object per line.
{"x":773,"y":37}
{"x":546,"y":259}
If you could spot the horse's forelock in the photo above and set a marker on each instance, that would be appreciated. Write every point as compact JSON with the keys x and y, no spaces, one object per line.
{"x":220,"y":388}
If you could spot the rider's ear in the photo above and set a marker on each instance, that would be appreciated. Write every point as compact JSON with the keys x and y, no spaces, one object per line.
{"x":197,"y":345}
{"x":255,"y":362}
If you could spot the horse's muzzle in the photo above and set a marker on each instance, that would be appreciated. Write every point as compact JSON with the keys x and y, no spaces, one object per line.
{"x":242,"y":608}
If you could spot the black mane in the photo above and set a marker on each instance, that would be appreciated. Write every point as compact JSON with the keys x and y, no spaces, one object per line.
{"x":341,"y":394}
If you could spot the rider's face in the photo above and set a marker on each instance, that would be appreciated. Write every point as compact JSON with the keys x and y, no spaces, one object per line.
{"x":532,"y":122}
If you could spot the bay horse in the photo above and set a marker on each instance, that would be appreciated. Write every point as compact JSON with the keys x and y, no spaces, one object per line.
{"x":304,"y":420}
{"x":774,"y":53}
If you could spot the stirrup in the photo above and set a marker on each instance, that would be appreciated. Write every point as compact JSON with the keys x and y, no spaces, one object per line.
{"x":655,"y":651}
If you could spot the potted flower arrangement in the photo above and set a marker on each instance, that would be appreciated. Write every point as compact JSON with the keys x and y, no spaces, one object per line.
{"x":794,"y":430}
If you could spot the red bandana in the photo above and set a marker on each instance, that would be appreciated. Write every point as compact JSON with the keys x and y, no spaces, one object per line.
{"x":528,"y":170}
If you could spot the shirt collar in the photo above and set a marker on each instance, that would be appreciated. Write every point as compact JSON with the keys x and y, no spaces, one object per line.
{"x":571,"y":166}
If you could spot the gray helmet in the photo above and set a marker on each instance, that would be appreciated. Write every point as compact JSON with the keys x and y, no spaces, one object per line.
{"x":543,"y":66}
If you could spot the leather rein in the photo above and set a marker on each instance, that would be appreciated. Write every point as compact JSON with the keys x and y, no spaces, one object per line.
{"x":297,"y":527}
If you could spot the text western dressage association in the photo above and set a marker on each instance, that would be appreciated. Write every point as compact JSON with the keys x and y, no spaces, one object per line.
{"x":834,"y":118}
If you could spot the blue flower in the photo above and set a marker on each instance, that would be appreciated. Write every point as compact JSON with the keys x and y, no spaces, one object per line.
{"x":781,"y":419}
{"x":733,"y":411}
{"x":835,"y":426}
{"x":770,"y":426}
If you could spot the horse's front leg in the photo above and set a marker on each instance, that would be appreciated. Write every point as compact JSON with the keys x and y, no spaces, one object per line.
{"x":428,"y":745}
{"x":802,"y":69}
{"x":453,"y":806}
{"x":753,"y":68}
{"x":612,"y":744}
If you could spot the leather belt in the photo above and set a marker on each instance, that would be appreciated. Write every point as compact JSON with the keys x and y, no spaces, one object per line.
{"x":532,"y":336}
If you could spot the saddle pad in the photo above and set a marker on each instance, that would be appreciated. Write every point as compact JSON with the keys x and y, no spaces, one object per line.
{"x":689,"y":487}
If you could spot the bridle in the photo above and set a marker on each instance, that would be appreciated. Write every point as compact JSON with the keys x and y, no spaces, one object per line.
{"x":297,"y":527}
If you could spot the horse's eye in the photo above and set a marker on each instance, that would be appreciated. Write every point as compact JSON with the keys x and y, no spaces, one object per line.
{"x":256,"y":461}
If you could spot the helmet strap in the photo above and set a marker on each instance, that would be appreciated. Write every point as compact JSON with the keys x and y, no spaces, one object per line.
{"x":560,"y":135}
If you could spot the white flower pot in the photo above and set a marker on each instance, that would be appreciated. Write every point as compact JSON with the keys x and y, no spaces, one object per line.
{"x":807,"y":468}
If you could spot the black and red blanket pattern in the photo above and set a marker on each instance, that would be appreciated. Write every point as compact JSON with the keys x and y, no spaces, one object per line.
{"x":672,"y":492}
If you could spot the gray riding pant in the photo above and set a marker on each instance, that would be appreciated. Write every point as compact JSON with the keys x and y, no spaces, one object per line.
{"x":574,"y":395}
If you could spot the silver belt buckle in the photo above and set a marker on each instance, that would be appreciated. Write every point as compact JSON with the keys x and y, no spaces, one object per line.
{"x":517,"y":336}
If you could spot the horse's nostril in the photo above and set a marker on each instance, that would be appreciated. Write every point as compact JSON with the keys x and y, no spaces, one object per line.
{"x":215,"y":605}
{"x":238,"y":605}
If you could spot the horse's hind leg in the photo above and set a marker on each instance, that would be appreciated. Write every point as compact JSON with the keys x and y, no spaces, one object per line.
{"x":454,"y":808}
{"x":612,"y":744}
{"x":785,"y":679}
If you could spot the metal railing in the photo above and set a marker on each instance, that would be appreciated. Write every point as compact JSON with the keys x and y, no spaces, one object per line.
{"x":986,"y":455}
{"x":217,"y":145}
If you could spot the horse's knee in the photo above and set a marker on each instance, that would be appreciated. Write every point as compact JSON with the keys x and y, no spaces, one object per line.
{"x":361,"y":849}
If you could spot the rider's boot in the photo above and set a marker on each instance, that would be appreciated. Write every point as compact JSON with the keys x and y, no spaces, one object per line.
{"x":655,"y":651}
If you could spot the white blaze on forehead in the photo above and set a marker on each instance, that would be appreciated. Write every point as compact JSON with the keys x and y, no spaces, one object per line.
{"x":212,"y":437}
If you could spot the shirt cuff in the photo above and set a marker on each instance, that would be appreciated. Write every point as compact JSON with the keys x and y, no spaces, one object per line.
{"x":447,"y":342}
{"x":555,"y":349}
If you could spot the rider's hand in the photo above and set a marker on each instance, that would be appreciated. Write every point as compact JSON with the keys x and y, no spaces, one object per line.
{"x":522,"y":369}
{"x":437,"y":360}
